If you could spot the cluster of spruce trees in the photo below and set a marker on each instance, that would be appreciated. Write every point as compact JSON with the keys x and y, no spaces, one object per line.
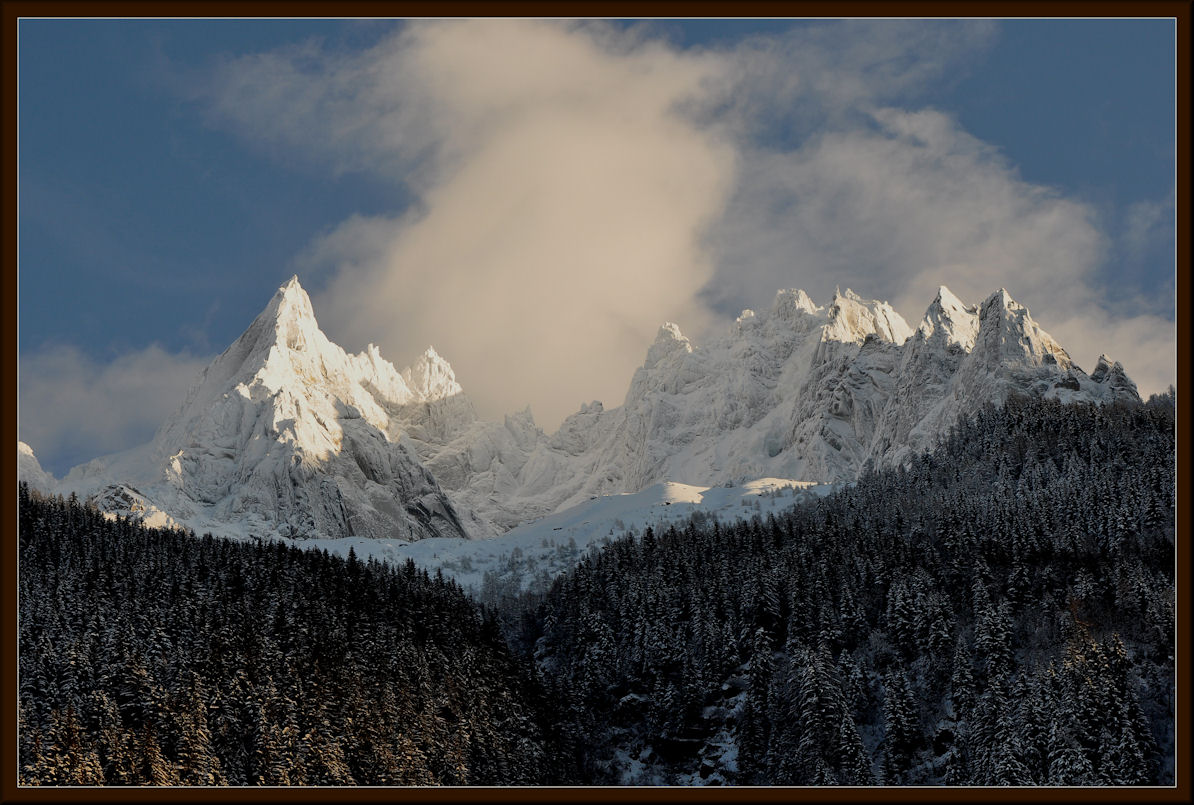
{"x":152,"y":656}
{"x":1000,"y":612}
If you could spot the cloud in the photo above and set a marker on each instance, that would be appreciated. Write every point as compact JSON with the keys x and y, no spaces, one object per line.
{"x":1147,"y":224}
{"x":776,"y":88}
{"x":1147,"y":239}
{"x":576,"y":184}
{"x":561,"y":208}
{"x":72,"y":409}
{"x":1146,"y":344}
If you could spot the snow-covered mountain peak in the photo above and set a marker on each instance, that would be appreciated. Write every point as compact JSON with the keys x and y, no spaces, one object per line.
{"x":1008,"y":334}
{"x":292,"y":291}
{"x":948,"y":300}
{"x":29,"y":469}
{"x":949,"y":318}
{"x":288,"y":318}
{"x":285,"y":434}
{"x":851,"y":320}
{"x":1104,"y":365}
{"x":284,"y":343}
{"x":669,"y":341}
{"x":1111,"y":374}
{"x":1003,"y":299}
{"x":791,"y":304}
{"x":374,"y":373}
{"x":284,"y":352}
{"x":431,"y":377}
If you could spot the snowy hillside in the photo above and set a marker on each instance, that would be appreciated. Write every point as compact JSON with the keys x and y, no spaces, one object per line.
{"x":531,"y":555}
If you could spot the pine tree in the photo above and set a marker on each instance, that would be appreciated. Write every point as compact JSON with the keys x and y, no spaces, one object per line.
{"x":900,"y":728}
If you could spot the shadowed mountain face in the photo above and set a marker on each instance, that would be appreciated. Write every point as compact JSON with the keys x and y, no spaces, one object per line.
{"x":287,"y":435}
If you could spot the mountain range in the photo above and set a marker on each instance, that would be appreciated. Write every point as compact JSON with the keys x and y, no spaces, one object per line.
{"x":287,"y":435}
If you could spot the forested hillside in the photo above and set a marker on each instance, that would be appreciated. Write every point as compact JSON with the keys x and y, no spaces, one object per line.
{"x":152,"y":656}
{"x":1000,"y":612}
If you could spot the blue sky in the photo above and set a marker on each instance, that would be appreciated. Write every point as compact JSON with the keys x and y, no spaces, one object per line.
{"x":174,"y":173}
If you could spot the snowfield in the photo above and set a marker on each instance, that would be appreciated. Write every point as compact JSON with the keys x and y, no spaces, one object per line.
{"x":535,"y":553}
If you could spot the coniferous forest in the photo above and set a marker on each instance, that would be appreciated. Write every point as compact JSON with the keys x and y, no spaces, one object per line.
{"x":151,"y":656}
{"x":998,"y":612}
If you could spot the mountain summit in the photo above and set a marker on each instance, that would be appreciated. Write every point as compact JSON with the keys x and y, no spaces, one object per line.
{"x":286,"y":435}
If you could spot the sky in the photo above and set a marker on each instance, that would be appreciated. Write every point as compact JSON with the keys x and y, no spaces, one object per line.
{"x":534,"y":198}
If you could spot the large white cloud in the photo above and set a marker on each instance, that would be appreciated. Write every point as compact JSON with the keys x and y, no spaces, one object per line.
{"x":576,"y":185}
{"x":563,"y":196}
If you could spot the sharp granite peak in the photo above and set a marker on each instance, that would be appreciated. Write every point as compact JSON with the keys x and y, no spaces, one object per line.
{"x":287,"y":435}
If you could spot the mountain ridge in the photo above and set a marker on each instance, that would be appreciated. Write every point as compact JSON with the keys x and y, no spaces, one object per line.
{"x":287,"y":435}
{"x":802,"y":392}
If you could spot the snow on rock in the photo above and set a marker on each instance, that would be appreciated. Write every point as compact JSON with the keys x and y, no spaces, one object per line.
{"x":800,"y":391}
{"x":1110,"y":376}
{"x":29,"y":470}
{"x":949,"y":321}
{"x":851,"y":319}
{"x":286,"y":435}
{"x":431,"y":377}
